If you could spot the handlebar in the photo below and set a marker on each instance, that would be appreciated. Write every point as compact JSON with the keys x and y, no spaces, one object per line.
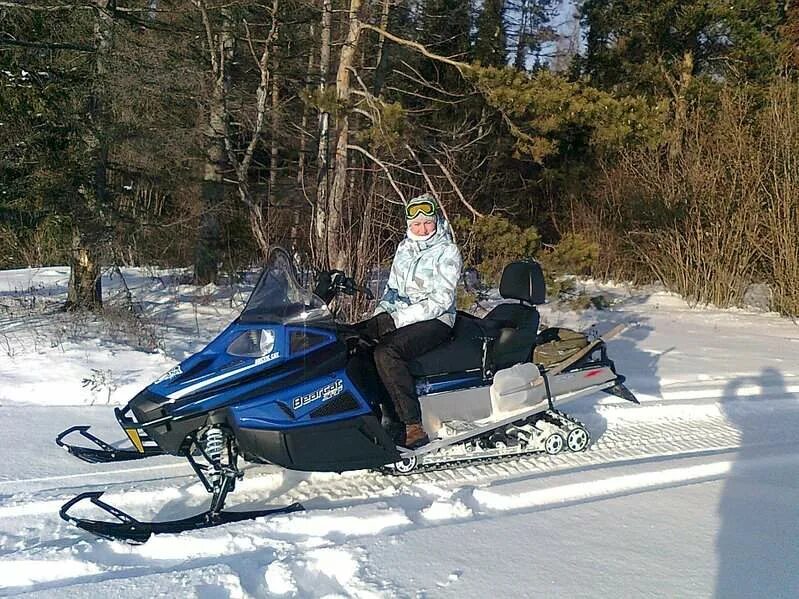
{"x":331,"y":282}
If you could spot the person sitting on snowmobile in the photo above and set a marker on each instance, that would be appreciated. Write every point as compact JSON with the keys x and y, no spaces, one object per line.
{"x":417,"y":310}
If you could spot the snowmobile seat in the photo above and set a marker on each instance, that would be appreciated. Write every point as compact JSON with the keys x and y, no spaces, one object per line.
{"x":517,"y":324}
{"x":512,"y":328}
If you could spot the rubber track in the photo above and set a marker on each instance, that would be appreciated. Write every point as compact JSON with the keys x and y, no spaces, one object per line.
{"x":478,"y":460}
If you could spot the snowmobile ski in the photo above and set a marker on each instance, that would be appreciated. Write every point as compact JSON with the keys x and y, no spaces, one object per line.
{"x":105,"y":452}
{"x":134,"y":531}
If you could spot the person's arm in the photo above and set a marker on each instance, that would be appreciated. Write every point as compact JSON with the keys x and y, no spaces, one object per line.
{"x":442,"y":289}
{"x":387,"y":302}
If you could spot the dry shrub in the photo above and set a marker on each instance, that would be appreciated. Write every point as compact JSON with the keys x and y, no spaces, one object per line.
{"x":715,"y":213}
{"x":46,"y":243}
{"x":779,"y":126}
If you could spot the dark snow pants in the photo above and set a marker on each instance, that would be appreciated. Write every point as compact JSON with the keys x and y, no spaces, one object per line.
{"x":394,"y":350}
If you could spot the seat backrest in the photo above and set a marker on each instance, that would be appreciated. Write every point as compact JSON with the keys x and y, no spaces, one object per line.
{"x":523,"y":280}
{"x":519,"y":330}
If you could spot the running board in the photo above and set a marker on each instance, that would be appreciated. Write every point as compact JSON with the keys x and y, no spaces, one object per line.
{"x":104,"y":452}
{"x":136,"y":532}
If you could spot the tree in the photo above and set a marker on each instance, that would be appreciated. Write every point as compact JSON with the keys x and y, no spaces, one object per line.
{"x":78,"y":189}
{"x":790,"y":33}
{"x":490,"y":42}
{"x":643,"y":47}
{"x":530,"y":28}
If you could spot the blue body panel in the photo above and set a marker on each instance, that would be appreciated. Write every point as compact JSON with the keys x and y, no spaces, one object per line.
{"x":441,"y":384}
{"x":214,"y":379}
{"x":302,"y":399}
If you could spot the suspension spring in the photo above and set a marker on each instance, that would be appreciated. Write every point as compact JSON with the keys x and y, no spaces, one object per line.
{"x":214,"y":443}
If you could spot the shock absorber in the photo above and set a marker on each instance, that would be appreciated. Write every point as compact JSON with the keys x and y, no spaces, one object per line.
{"x":214,"y":441}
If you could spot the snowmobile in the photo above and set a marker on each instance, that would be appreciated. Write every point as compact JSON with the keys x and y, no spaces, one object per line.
{"x":287,"y":383}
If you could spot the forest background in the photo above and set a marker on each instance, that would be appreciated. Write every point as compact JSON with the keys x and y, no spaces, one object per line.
{"x":620,"y":139}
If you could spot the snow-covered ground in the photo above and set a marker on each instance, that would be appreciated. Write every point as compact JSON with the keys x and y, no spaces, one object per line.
{"x":695,"y":493}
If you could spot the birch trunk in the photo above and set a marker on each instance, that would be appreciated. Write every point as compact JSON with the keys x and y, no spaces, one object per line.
{"x":323,"y":155}
{"x":85,"y":290}
{"x":212,"y":188}
{"x":335,"y":249}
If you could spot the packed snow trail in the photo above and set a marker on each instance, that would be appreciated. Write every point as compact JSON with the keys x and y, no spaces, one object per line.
{"x":657,"y":446}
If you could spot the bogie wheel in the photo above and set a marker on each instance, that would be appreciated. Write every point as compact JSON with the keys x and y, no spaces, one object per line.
{"x":406,"y":465}
{"x":578,"y":439}
{"x":554,"y":444}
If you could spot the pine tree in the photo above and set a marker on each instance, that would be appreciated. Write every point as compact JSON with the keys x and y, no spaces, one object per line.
{"x":638,"y":46}
{"x":490,"y":43}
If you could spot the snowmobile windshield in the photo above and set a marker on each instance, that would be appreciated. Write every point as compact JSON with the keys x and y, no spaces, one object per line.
{"x":278,"y":296}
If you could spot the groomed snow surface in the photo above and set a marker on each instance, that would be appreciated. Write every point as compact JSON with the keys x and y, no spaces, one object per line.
{"x":695,"y":493}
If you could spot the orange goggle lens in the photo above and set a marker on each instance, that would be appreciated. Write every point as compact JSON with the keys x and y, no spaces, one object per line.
{"x":425,"y":208}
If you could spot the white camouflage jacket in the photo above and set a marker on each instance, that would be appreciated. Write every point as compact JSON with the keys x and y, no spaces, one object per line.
{"x":423,"y":278}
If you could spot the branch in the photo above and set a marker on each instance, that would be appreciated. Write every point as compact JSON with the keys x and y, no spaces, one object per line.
{"x":43,"y":8}
{"x":215,"y":67}
{"x":461,"y":66}
{"x":447,"y":174}
{"x":379,"y":163}
{"x":260,"y":93}
{"x":46,"y":45}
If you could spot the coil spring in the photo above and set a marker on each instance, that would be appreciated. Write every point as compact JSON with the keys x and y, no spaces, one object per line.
{"x":214,"y":443}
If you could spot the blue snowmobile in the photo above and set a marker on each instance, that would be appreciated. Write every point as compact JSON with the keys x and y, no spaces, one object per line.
{"x":286,"y":383}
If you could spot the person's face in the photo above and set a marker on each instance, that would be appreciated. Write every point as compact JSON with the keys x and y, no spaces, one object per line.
{"x":423,"y":227}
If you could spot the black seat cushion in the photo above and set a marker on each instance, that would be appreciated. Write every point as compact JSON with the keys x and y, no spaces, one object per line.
{"x":513,"y":327}
{"x":464,"y":351}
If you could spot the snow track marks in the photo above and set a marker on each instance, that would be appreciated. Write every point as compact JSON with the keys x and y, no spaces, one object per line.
{"x":638,"y":449}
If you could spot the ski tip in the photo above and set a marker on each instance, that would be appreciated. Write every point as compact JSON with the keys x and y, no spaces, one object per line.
{"x":620,"y":390}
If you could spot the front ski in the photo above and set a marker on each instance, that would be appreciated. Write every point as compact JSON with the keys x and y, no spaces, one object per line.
{"x":104,"y":452}
{"x":128,"y":529}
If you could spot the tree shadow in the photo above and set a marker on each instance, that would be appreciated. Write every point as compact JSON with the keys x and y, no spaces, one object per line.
{"x":758,"y":539}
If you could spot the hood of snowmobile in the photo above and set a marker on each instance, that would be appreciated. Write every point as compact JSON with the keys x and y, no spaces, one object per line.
{"x":245,"y":361}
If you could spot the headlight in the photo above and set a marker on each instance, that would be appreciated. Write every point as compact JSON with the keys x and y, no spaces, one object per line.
{"x":253,"y":344}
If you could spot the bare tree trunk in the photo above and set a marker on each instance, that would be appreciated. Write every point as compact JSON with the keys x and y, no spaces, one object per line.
{"x":521,"y":41}
{"x":85,"y":290}
{"x":323,"y":177}
{"x":295,"y":226}
{"x":680,"y":101}
{"x":335,"y":251}
{"x":212,"y":190}
{"x":381,"y":64}
{"x":273,"y":143}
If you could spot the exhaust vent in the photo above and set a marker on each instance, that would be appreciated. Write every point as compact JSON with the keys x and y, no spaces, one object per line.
{"x":338,"y":405}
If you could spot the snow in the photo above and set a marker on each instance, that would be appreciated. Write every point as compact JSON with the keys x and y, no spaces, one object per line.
{"x":693,"y":493}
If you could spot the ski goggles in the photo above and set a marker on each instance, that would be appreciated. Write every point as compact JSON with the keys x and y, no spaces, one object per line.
{"x":424,"y":207}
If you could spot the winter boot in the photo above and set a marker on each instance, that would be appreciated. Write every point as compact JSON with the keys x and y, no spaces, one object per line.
{"x":415,"y":436}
